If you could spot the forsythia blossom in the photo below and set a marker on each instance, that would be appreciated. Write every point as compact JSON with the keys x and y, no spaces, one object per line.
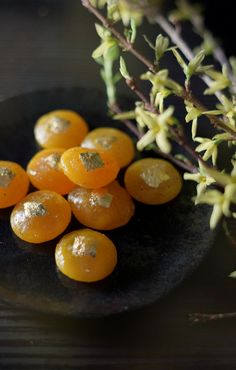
{"x":220,"y":201}
{"x":220,"y":81}
{"x":192,"y":115}
{"x":107,"y":42}
{"x":202,"y":178}
{"x":233,"y":172}
{"x":194,"y":66}
{"x":157,"y":125}
{"x":209,"y":146}
{"x":162,"y":86}
{"x":228,"y":109}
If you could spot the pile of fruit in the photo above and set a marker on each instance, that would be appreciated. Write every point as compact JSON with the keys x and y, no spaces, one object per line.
{"x":83,"y":166}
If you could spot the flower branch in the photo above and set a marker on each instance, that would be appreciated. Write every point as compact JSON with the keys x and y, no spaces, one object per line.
{"x":156,"y":123}
{"x":126,"y":45}
{"x":187,"y":166}
{"x":182,"y":45}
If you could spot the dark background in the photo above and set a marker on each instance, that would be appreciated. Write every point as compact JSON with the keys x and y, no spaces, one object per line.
{"x":45,"y":44}
{"x":220,"y":19}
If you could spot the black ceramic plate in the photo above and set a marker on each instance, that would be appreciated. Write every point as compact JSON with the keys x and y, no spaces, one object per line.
{"x":156,"y":250}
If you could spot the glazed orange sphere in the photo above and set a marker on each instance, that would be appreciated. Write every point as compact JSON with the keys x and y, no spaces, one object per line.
{"x":89,"y":168}
{"x":60,"y":129}
{"x":153,"y":181}
{"x":40,"y":216}
{"x":103,"y":209}
{"x":45,"y":173}
{"x":113,"y":141}
{"x":86,"y":255}
{"x":14,"y":183}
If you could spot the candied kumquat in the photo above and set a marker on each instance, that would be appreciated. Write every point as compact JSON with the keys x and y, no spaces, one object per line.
{"x":86,"y":255}
{"x":60,"y":129}
{"x":14,"y":183}
{"x":45,"y":173}
{"x":153,"y":181}
{"x":113,"y":141}
{"x":89,"y":168}
{"x":40,"y":216}
{"x":103,"y":209}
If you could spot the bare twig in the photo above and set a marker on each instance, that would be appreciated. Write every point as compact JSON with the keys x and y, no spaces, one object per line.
{"x":185,"y":166}
{"x":197,"y":318}
{"x":131,"y":83}
{"x":116,"y":109}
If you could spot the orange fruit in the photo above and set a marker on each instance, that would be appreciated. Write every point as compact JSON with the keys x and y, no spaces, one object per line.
{"x":86,"y":255}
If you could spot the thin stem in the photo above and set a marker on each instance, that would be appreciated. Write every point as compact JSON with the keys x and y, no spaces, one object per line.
{"x":110,"y":86}
{"x":185,"y":166}
{"x":178,"y":40}
{"x":220,"y":56}
{"x":183,"y":142}
{"x":116,"y":109}
{"x":196,"y":318}
{"x":122,"y":41}
{"x":131,"y":83}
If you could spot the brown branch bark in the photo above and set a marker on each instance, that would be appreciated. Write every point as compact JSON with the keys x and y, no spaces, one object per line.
{"x":197,"y":318}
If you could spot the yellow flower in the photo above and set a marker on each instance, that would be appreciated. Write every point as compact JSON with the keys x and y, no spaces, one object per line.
{"x":228,"y":108}
{"x":107,"y":42}
{"x":220,"y":201}
{"x":162,"y":86}
{"x":192,"y":115}
{"x":202,"y":178}
{"x":158,"y":130}
{"x":209,"y":147}
{"x":127,"y":10}
{"x":219,"y":80}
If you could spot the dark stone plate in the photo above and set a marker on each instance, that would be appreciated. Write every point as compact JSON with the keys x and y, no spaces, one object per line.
{"x":156,"y":250}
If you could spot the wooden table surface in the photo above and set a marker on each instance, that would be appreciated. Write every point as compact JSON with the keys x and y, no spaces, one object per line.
{"x":48,"y":44}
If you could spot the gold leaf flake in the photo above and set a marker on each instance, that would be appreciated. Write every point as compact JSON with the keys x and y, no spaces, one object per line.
{"x":101,"y":199}
{"x":105,"y":141}
{"x":6,"y":177}
{"x":154,"y":176}
{"x":57,"y":125}
{"x":91,"y":160}
{"x":79,"y":247}
{"x":53,"y":160}
{"x":32,"y":209}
